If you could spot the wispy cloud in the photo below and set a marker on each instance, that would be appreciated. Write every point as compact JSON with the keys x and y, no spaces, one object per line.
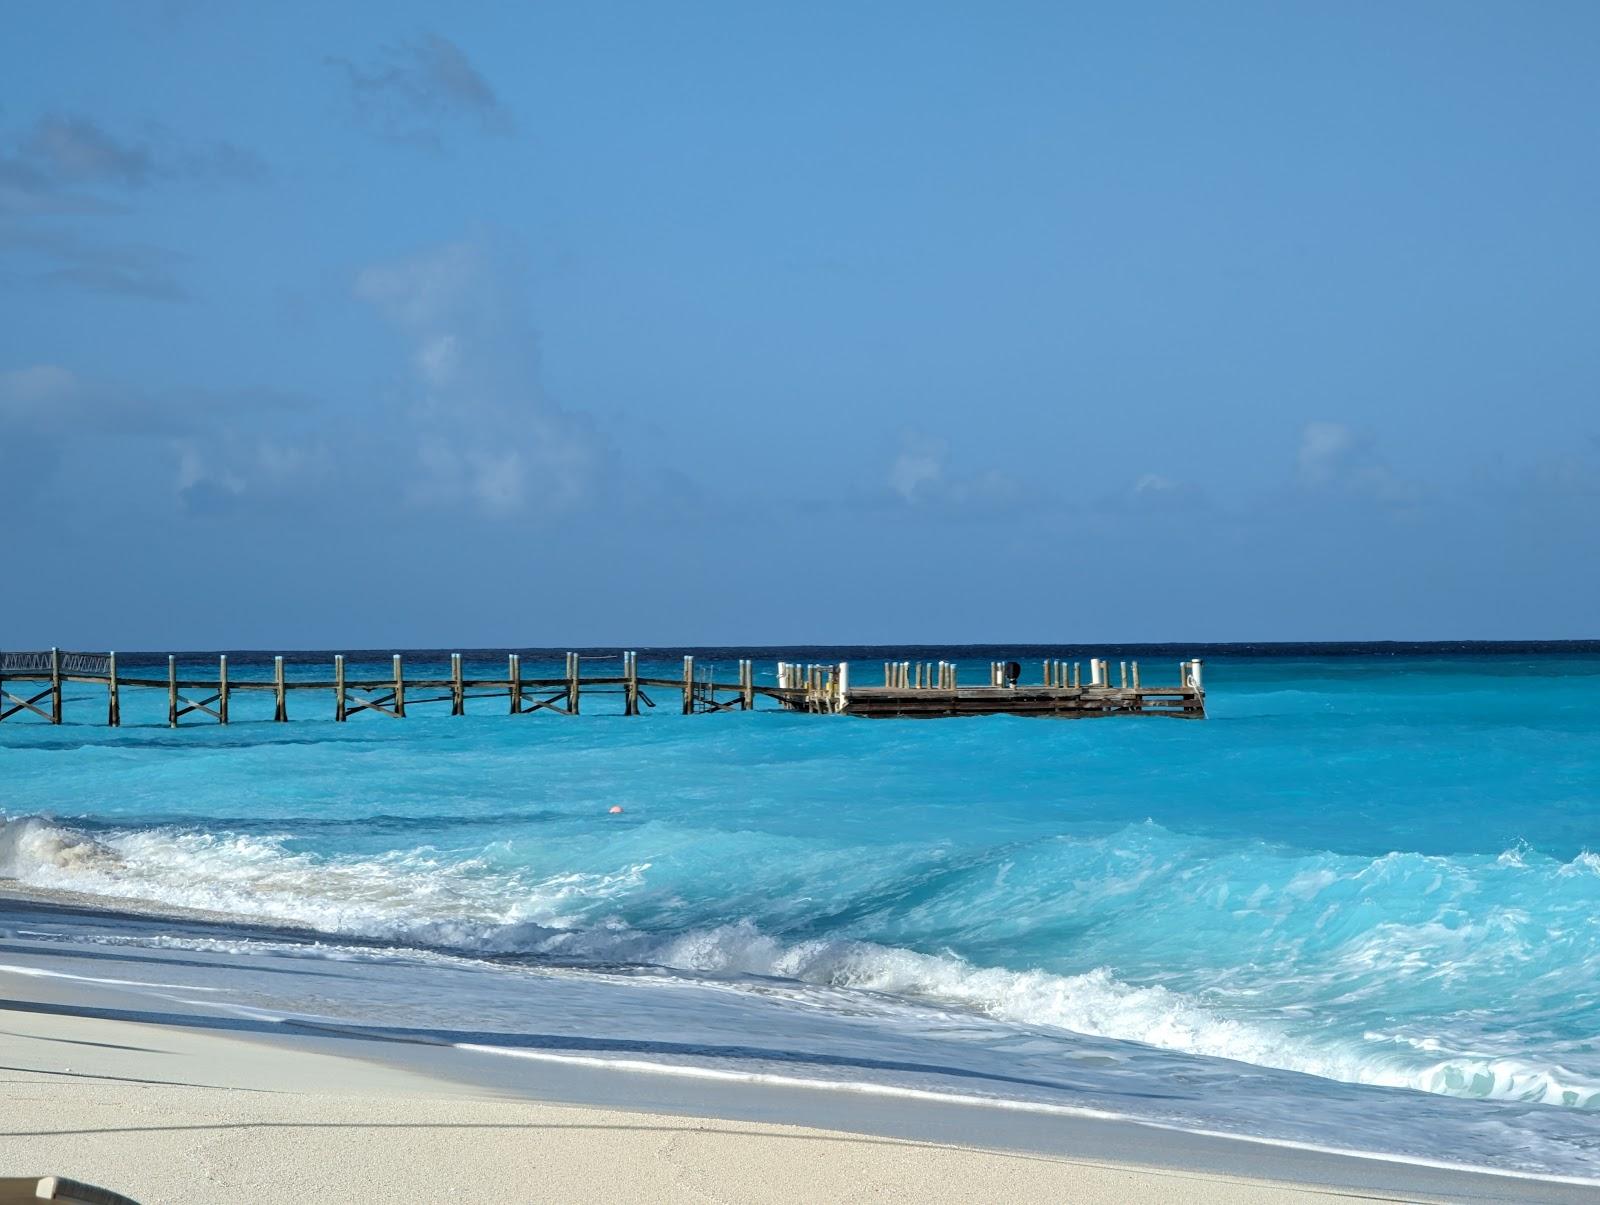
{"x":66,"y":167}
{"x":67,"y":164}
{"x":48,"y":255}
{"x":418,"y":90}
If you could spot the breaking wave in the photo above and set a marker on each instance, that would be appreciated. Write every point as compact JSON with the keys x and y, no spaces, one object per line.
{"x":480,"y":905}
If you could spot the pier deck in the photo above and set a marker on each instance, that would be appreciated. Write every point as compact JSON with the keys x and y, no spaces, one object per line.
{"x":1023,"y":700}
{"x":926,"y":689}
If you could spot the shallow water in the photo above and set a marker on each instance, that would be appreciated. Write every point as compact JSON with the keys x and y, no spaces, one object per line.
{"x":1371,"y":869}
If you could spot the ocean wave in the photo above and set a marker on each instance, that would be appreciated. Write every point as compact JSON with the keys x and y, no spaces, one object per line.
{"x":472,"y":904}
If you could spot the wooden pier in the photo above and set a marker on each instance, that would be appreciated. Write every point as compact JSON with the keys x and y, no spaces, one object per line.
{"x":923,"y":689}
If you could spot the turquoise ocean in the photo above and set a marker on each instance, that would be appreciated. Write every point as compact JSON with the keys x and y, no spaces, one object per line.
{"x":1357,"y":907}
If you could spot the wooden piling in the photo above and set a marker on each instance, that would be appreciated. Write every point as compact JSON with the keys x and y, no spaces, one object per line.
{"x":280,"y":710}
{"x":113,"y":698}
{"x":222,"y":689}
{"x":514,"y":676}
{"x":399,"y":687}
{"x":172,"y":691}
{"x":1124,"y":678}
{"x":55,"y":686}
{"x":458,"y":692}
{"x":747,"y":685}
{"x":630,"y":683}
{"x":339,"y":709}
{"x":688,"y":686}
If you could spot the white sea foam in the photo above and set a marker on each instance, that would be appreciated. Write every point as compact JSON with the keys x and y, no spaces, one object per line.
{"x":420,"y":896}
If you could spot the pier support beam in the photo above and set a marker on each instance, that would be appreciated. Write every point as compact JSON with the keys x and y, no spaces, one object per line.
{"x":55,"y":686}
{"x":688,"y":686}
{"x":172,"y":691}
{"x":399,"y":688}
{"x":280,"y":710}
{"x":113,"y":698}
{"x":458,"y":693}
{"x":339,"y":712}
{"x":222,"y":689}
{"x":630,"y":683}
{"x":572,"y":683}
{"x":514,"y":677}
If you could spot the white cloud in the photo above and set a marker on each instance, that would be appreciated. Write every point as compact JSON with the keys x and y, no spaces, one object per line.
{"x":919,"y":477}
{"x":918,"y":467}
{"x":1334,"y":458}
{"x":485,"y":434}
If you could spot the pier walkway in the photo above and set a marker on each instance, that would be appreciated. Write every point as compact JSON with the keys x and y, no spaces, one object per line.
{"x":32,"y":684}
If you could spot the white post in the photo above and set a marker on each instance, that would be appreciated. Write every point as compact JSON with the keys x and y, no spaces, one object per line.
{"x":1094,"y":671}
{"x":844,"y":686}
{"x":1194,"y":674}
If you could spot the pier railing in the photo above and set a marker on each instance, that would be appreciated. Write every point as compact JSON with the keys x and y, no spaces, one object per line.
{"x":923,"y":688}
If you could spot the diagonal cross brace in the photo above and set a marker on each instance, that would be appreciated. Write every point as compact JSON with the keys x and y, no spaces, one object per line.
{"x":22,"y":703}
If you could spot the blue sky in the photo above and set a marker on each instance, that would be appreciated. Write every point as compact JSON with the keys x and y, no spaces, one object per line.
{"x":543,"y":324}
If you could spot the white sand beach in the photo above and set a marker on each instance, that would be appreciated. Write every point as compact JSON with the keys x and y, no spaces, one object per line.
{"x":164,"y":1115}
